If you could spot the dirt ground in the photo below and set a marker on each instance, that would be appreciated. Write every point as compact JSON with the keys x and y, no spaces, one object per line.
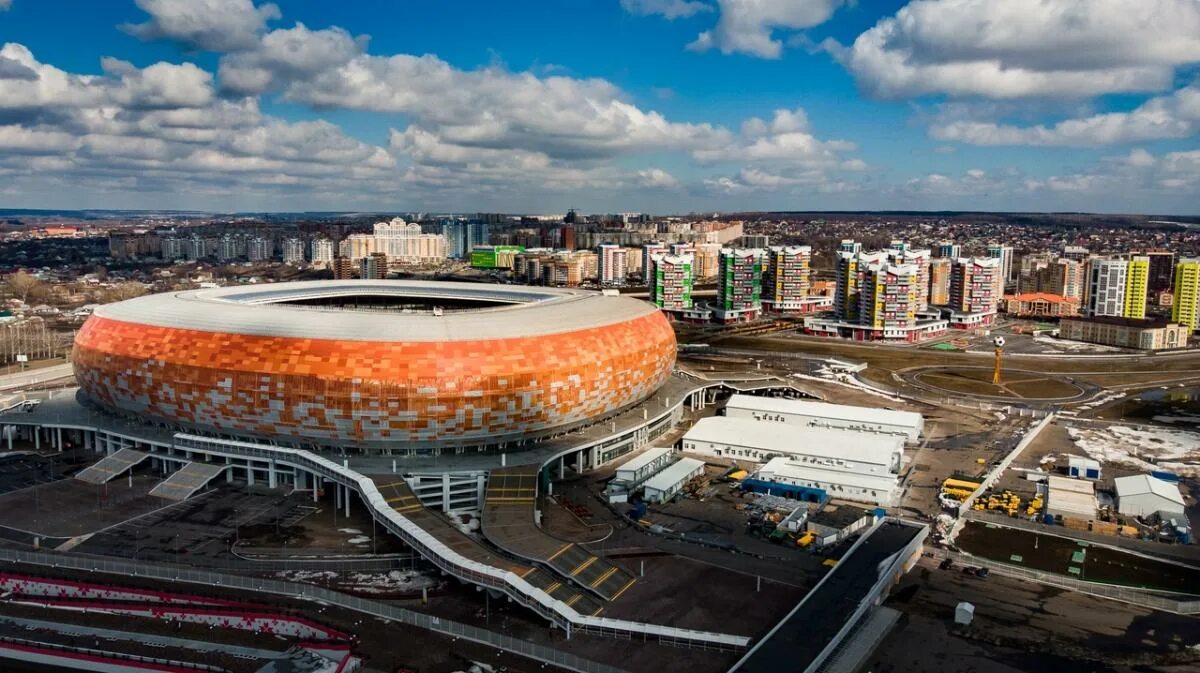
{"x":1021,"y":627}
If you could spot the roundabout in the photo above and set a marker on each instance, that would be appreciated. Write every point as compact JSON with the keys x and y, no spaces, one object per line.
{"x":1016,"y":385}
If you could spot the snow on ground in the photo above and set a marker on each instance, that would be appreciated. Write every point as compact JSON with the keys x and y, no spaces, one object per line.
{"x":350,"y":531}
{"x":392,"y":582}
{"x":359,"y":539}
{"x":1069,"y":345}
{"x":1148,"y":449}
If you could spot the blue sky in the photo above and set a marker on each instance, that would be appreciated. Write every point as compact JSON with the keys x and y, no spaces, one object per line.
{"x":604,"y":105}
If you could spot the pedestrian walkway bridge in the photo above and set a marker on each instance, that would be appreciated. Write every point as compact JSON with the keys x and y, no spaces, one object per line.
{"x":184,"y":482}
{"x":111,"y":467}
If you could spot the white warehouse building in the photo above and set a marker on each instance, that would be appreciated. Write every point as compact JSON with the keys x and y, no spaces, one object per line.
{"x":1143,"y":495}
{"x":813,"y":414}
{"x":664,"y":485}
{"x":817,"y":462}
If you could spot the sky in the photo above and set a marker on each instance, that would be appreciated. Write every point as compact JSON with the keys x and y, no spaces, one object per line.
{"x":661,"y":106}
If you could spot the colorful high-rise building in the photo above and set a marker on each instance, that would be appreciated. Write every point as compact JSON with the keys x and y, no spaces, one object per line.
{"x":739,"y":284}
{"x":948,"y":250}
{"x":787,"y":280}
{"x":1136,"y":283}
{"x":901,"y":253}
{"x":611,"y":267}
{"x":888,"y":296}
{"x":1185,"y":308}
{"x":1162,"y":270}
{"x":939,"y":280}
{"x":672,"y":282}
{"x":973,"y":288}
{"x":649,"y":250}
{"x":1004,"y":253}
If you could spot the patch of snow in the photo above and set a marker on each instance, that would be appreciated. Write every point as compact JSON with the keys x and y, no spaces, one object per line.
{"x":1146,"y":449}
{"x":350,"y":531}
{"x":359,"y":539}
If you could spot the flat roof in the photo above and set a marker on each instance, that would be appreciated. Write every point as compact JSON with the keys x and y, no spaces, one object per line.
{"x":785,"y":467}
{"x":826,"y":410}
{"x":524,"y":311}
{"x":674,"y":473}
{"x":1059,"y":484}
{"x":647,"y":457}
{"x":1140,"y":484}
{"x":797,"y":440}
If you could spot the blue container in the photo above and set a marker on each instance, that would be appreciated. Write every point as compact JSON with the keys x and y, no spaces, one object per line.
{"x":1049,"y":520}
{"x":1165,"y":476}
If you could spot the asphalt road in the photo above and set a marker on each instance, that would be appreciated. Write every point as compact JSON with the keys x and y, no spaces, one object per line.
{"x":36,"y":376}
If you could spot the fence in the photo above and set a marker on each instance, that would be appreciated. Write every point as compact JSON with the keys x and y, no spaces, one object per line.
{"x":1112,"y":592}
{"x":388,"y":613}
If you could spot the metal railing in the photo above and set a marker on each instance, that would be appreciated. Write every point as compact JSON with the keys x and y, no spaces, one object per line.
{"x":1113,"y":592}
{"x":388,"y":613}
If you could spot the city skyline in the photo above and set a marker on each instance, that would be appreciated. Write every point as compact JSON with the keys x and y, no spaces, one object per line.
{"x":654,"y":105}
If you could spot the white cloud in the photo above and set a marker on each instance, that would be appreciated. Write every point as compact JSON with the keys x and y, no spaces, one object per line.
{"x":656,"y":178}
{"x":1020,"y":48}
{"x":214,"y":25}
{"x":670,"y":9}
{"x":488,"y":108}
{"x":1173,"y":116}
{"x":749,"y":26}
{"x":784,"y":139}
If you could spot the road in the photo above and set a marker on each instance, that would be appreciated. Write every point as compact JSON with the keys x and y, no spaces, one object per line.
{"x":36,"y":376}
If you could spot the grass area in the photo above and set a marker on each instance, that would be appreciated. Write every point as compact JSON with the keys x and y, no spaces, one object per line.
{"x":956,"y":382}
{"x":35,"y":364}
{"x":901,"y":357}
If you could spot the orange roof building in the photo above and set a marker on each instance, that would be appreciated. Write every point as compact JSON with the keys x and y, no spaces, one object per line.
{"x":1040,"y":305}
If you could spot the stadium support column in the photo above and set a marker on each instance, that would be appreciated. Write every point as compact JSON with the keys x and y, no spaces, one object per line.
{"x":228,"y":470}
{"x":312,"y":478}
{"x":481,"y":489}
{"x":272,"y":480}
{"x":37,"y":438}
{"x":562,"y":467}
{"x":346,"y":499}
{"x":8,"y":433}
{"x":58,"y":432}
{"x":446,"y":492}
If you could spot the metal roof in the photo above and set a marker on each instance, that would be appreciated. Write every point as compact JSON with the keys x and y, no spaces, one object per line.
{"x":797,"y":440}
{"x":1142,"y":484}
{"x":673,"y":474}
{"x":788,"y":468}
{"x":527,"y":311}
{"x":843,"y":412}
{"x":645,"y":458}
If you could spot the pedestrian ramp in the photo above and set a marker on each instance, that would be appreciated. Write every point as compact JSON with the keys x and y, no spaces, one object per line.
{"x":184,"y":482}
{"x":111,"y":467}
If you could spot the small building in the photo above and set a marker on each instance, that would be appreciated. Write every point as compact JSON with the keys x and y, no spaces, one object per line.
{"x":786,"y":478}
{"x":1082,"y":467}
{"x":813,"y":414}
{"x":1073,"y":498}
{"x":643,"y":466}
{"x":1146,"y":334}
{"x":664,"y":485}
{"x":1144,"y":495}
{"x":964,"y":613}
{"x":835,"y":523}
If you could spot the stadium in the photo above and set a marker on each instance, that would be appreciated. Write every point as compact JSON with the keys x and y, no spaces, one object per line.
{"x":399,"y":366}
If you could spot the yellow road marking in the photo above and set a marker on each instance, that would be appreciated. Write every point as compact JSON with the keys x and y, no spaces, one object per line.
{"x":561,"y":550}
{"x":623,"y":589}
{"x":583,"y":566}
{"x":607,"y":573}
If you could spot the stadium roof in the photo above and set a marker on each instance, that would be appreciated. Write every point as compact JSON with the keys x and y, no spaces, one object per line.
{"x":843,"y":412}
{"x":523,"y":311}
{"x":782,"y":438}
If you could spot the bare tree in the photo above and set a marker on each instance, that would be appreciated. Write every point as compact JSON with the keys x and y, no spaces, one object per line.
{"x":23,"y":285}
{"x":123,"y":291}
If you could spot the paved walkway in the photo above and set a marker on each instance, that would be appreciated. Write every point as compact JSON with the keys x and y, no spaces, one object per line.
{"x":32,"y":377}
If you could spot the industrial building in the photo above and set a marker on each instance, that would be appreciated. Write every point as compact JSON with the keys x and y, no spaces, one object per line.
{"x":643,"y":466}
{"x":805,"y":478}
{"x":664,"y":485}
{"x":1074,"y":498}
{"x":1145,"y":495}
{"x":825,"y":415}
{"x":835,"y":523}
{"x":804,"y":462}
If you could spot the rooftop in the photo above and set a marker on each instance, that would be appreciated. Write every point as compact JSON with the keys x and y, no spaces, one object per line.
{"x":1141,"y":484}
{"x":793,"y":439}
{"x":788,"y":468}
{"x":645,"y":458}
{"x":826,"y":410}
{"x":505,"y":311}
{"x":674,"y":473}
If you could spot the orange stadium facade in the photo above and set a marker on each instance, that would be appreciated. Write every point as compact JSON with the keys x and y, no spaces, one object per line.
{"x":375,"y":364}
